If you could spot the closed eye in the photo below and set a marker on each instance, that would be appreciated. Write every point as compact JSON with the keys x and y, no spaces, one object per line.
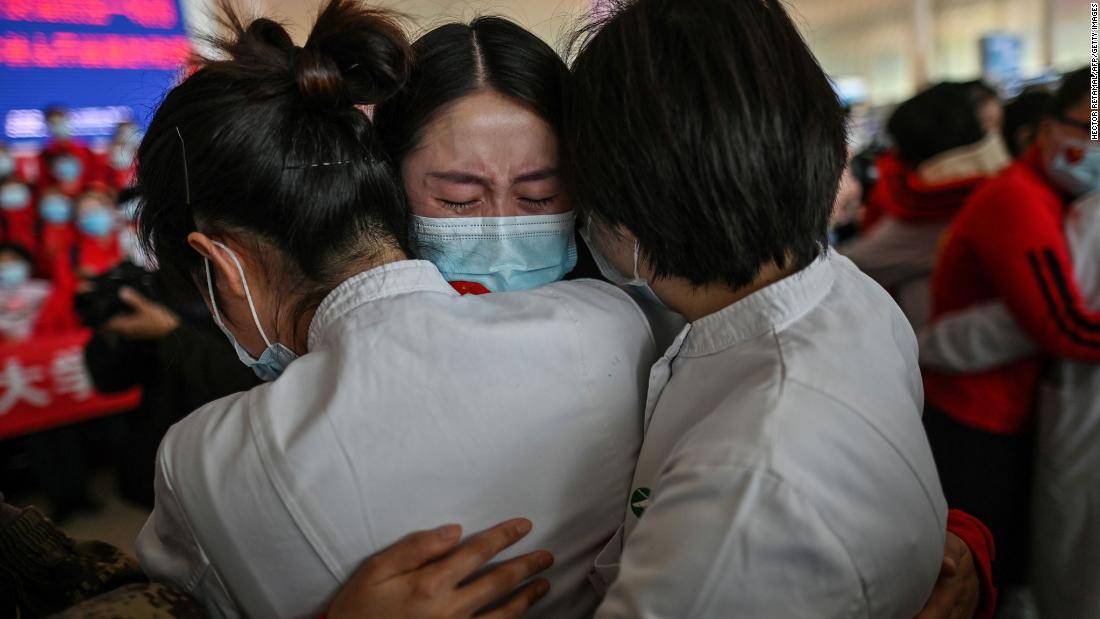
{"x":539,"y":202}
{"x":458,"y":206}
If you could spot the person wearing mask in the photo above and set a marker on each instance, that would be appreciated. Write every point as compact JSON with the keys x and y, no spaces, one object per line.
{"x":119,"y":163}
{"x":754,"y":493}
{"x":56,"y":233}
{"x":1065,"y":561}
{"x":97,"y":248}
{"x":28,"y":306}
{"x":475,"y":132}
{"x":1008,"y":244}
{"x":390,"y":398}
{"x":945,"y":147}
{"x":65,"y":161}
{"x":17,"y":217}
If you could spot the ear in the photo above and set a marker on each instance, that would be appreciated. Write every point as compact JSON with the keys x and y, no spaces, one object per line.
{"x":222,"y":265}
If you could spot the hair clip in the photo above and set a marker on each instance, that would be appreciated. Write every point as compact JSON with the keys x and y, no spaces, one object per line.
{"x":323,"y":164}
{"x":186,"y":176}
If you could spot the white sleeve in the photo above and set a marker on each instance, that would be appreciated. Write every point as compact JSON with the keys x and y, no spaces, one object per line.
{"x":732,"y":542}
{"x":168,"y":551}
{"x":979,"y":338}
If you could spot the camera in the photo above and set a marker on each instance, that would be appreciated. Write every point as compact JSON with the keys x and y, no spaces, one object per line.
{"x":100,"y":303}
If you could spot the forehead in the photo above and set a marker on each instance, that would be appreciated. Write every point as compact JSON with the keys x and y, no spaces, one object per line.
{"x":488,"y":131}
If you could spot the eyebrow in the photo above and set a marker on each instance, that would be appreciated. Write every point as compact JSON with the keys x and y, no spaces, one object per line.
{"x":537,"y":175}
{"x":460,"y":178}
{"x":463,"y":178}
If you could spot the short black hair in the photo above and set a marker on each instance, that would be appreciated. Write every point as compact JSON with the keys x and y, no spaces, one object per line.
{"x":270,"y":142}
{"x":23,"y":253}
{"x":708,"y":130}
{"x":1075,"y":88}
{"x":455,"y":60}
{"x":936,"y":120}
{"x":1026,"y":110}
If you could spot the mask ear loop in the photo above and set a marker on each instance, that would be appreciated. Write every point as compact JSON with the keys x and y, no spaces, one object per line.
{"x":247,"y":292}
{"x":637,"y":253}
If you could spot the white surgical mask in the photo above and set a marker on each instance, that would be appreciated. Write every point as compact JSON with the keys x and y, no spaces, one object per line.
{"x":276,"y":357}
{"x":612,"y":274}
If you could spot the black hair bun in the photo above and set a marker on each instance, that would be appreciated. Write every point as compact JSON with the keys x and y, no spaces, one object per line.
{"x":354,"y":55}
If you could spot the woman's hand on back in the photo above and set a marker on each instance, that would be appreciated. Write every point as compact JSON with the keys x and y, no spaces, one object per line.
{"x":427,"y":576}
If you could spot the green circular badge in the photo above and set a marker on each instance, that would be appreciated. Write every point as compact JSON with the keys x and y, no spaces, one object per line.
{"x":639,"y":500}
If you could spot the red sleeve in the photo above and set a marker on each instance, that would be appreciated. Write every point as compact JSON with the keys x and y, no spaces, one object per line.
{"x":1022,"y":248}
{"x":980,"y":541}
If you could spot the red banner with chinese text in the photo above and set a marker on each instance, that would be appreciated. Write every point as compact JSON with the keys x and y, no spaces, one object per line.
{"x":44,"y":383}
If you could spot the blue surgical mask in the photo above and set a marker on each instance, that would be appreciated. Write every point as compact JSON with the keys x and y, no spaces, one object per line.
{"x":1075,"y":175}
{"x":276,"y":357}
{"x":55,"y":209}
{"x":97,"y":222}
{"x":14,"y":274}
{"x":67,"y":168}
{"x":14,"y":197}
{"x":7,"y":165}
{"x":612,"y":274}
{"x":501,"y":253}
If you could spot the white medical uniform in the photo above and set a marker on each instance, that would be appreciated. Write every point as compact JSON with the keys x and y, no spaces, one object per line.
{"x":414,"y":407}
{"x":785,"y":472}
{"x":1066,"y":503}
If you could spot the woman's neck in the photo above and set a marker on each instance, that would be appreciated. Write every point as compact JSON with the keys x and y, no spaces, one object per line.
{"x":300,"y":330}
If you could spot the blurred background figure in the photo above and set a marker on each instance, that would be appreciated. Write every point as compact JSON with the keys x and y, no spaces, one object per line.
{"x":947,"y":141}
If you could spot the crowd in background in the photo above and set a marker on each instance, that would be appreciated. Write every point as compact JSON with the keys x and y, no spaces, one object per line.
{"x":963,"y":218}
{"x":70,"y":262}
{"x":65,"y":218}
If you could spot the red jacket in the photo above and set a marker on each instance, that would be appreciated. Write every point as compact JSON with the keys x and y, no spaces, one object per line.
{"x":980,"y":542}
{"x":901,"y":194}
{"x":1008,"y":243}
{"x":55,"y":240}
{"x":91,"y":168}
{"x":20,"y":227}
{"x":97,"y":256}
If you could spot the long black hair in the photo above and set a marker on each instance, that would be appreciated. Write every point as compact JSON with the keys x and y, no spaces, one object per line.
{"x":270,"y":142}
{"x":456,"y":60}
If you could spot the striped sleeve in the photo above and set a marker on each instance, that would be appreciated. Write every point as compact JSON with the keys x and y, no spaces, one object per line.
{"x":1023,"y":249}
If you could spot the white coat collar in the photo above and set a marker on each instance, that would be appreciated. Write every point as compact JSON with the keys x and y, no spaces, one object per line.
{"x":388,"y":280}
{"x":775,"y":305}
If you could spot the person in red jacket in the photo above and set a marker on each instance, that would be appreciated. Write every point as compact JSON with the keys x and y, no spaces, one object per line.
{"x":118,"y":164}
{"x":30,"y":307}
{"x":56,"y":233}
{"x":18,"y":220}
{"x":945,"y":150}
{"x":65,"y":161}
{"x":97,"y":247}
{"x":1008,"y":243}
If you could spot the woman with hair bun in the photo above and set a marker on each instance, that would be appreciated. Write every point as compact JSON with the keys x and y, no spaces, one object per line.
{"x":391,"y":401}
